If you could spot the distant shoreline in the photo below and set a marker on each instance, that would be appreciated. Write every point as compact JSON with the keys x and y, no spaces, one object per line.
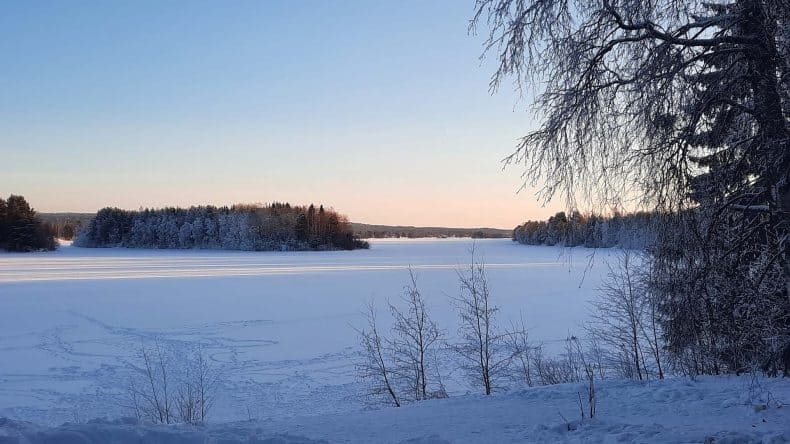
{"x":363,"y":230}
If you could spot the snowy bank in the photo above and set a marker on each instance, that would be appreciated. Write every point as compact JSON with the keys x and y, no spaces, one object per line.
{"x":710,"y":409}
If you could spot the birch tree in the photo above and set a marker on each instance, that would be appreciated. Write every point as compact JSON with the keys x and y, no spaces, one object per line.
{"x":415,"y":341}
{"x":481,"y":345}
{"x":376,"y":366}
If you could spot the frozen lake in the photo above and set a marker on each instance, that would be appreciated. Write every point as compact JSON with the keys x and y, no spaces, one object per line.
{"x":279,"y":326}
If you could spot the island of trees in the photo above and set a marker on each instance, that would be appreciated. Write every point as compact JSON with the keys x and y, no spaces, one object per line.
{"x":274,"y":227}
{"x":21,"y":229}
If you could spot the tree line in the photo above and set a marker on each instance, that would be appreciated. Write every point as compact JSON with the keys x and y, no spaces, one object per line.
{"x":634,"y":230}
{"x":21,"y":229}
{"x":273,"y":227}
{"x":367,"y":231}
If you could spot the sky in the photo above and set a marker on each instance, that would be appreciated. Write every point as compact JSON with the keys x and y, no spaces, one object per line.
{"x":378,"y":109}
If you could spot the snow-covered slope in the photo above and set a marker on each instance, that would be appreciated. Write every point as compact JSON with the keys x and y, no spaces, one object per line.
{"x":712,"y":409}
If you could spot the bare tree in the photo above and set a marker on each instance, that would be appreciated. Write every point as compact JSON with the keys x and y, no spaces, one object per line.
{"x":416,"y":336}
{"x":522,"y":351}
{"x":624,"y":325}
{"x":577,"y":354}
{"x":617,"y":315}
{"x":375,"y":365}
{"x":195,"y":393}
{"x":207,"y":380}
{"x":550,"y":370}
{"x":187,"y":404}
{"x":151,"y":397}
{"x":404,"y":364}
{"x":163,"y":393}
{"x":481,"y":346}
{"x":651,"y":330}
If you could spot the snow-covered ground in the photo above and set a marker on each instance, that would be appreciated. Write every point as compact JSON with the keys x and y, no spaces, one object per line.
{"x":278,"y":325}
{"x":279,"y":328}
{"x":710,"y":410}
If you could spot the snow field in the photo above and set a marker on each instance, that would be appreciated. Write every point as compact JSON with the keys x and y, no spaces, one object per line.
{"x":278,"y":326}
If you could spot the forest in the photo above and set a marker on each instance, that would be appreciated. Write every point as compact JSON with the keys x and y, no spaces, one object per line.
{"x":21,"y":229}
{"x":274,"y":227}
{"x":632,"y":230}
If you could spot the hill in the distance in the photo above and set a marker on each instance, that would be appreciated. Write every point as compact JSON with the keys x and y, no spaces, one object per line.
{"x":368,"y":231}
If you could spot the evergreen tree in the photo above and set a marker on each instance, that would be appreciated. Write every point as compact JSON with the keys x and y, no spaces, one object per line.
{"x":21,"y":229}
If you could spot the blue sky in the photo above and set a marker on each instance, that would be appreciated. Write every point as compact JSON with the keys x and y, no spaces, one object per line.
{"x":380,"y":109}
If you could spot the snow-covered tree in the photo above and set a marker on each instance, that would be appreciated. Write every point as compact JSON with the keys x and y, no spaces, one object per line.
{"x":683,"y":105}
{"x":241,"y":227}
{"x":415,"y":341}
{"x":482,"y":346}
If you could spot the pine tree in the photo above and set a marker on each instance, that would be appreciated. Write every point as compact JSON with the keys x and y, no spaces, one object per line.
{"x":22,"y":227}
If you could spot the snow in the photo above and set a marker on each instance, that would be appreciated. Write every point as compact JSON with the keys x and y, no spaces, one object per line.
{"x":279,"y":325}
{"x":279,"y":328}
{"x":711,"y":409}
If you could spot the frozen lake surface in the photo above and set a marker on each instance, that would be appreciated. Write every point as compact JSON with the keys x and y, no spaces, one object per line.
{"x":279,"y":326}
